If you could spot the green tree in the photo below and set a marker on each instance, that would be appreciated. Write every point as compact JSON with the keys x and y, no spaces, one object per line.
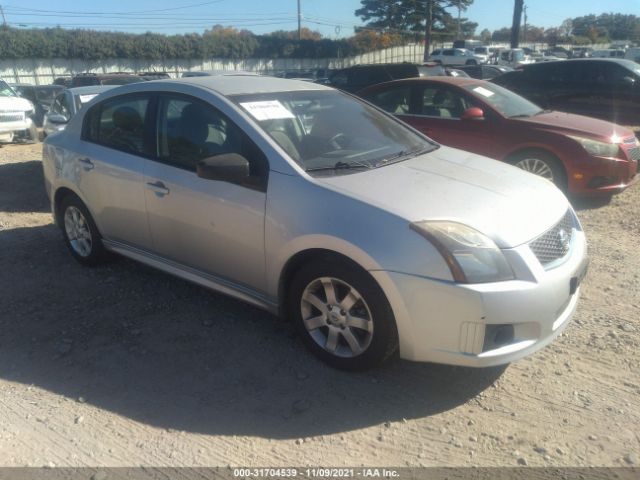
{"x":416,"y":18}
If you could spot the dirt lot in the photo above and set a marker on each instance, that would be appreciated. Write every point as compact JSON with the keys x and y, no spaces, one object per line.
{"x":126,"y":366}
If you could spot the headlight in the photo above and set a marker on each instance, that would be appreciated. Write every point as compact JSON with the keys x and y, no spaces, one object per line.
{"x":472,"y":257}
{"x":598,"y":149}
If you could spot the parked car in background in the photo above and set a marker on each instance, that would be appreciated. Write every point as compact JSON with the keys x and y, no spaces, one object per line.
{"x":216,"y":73}
{"x":608,"y":89}
{"x":581,"y":52}
{"x":455,"y":56}
{"x":307,"y":202}
{"x":608,"y":53}
{"x":485,"y":53}
{"x":581,"y":155}
{"x":15,"y":116}
{"x":352,"y":79}
{"x":88,"y":79}
{"x":633,"y":54}
{"x":153,"y":75}
{"x":67,"y":104}
{"x":62,"y":81}
{"x":558,"y":52}
{"x":513,"y":57}
{"x":485,"y":72}
{"x":40,"y":95}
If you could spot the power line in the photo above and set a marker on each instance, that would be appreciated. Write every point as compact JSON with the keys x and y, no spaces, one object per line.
{"x":121,"y":13}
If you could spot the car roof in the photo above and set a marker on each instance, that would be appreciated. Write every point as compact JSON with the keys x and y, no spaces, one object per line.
{"x":242,"y":84}
{"x":620,"y":61}
{"x":90,"y":89}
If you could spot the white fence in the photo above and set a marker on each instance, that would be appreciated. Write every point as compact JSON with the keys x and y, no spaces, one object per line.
{"x":44,"y":71}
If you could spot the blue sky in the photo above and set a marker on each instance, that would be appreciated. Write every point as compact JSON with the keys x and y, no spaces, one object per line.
{"x":334,"y":18}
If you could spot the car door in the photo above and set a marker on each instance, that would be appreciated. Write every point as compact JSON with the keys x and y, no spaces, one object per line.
{"x":110,"y":161}
{"x":212,"y":226}
{"x":438,"y":111}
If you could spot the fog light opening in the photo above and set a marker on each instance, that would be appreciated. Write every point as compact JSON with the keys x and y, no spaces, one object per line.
{"x":497,"y":336}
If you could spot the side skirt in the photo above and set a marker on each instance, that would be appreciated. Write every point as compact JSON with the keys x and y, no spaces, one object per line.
{"x":212,"y":282}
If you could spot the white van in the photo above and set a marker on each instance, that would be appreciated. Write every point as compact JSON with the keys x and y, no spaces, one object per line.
{"x":15,"y":115}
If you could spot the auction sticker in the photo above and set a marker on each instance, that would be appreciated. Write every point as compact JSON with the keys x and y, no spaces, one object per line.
{"x":483,"y":91}
{"x":267,"y":110}
{"x":87,"y":98}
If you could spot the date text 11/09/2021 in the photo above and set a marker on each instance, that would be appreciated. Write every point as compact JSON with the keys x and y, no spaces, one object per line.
{"x":315,"y":473}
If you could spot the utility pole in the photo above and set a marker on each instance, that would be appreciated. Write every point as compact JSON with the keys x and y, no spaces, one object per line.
{"x":524,"y":33}
{"x":458,"y":33}
{"x":299,"y":22}
{"x":427,"y":29}
{"x":4,"y":20}
{"x":515,"y":25}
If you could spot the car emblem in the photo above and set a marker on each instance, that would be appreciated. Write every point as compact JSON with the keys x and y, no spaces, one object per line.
{"x":564,"y":238}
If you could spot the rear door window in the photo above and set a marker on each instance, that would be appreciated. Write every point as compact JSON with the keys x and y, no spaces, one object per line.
{"x":119,"y":123}
{"x":393,"y":100}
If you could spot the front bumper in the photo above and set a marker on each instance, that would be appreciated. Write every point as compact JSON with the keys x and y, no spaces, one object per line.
{"x":16,"y":126}
{"x":445,"y":322}
{"x":603,"y":176}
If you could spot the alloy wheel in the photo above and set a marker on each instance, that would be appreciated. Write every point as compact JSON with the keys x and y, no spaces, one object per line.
{"x":336,"y":317}
{"x":77,"y":229}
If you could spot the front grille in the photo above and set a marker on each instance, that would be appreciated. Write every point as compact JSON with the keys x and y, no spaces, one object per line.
{"x":11,"y":116}
{"x":630,"y":141}
{"x":555,"y":242}
{"x":634,"y":154}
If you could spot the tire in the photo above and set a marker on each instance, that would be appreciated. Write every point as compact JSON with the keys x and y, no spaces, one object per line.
{"x":80,"y":232}
{"x":543,"y":164}
{"x":359,"y":336}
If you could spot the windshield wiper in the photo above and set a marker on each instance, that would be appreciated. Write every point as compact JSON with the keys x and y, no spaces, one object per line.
{"x":401,"y":155}
{"x":341,"y":166}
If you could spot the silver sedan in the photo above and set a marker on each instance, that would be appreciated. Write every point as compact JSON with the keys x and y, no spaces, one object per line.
{"x":305,"y":201}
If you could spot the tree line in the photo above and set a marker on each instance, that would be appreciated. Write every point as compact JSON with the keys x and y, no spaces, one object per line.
{"x":217,"y":42}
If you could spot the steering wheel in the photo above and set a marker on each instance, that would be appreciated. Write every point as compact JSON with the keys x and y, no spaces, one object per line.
{"x":339,"y":141}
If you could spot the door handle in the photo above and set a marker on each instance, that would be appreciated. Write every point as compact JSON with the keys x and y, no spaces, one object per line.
{"x":158,"y":188}
{"x":87,"y":164}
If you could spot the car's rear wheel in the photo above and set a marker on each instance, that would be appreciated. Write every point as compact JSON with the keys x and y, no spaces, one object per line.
{"x":80,"y":232}
{"x":542,"y":164}
{"x":342,"y":315}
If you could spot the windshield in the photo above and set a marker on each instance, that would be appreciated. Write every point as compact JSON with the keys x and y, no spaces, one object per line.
{"x":504,"y":101}
{"x":518,"y":55}
{"x":5,"y":90}
{"x":481,"y":50}
{"x":328,"y":130}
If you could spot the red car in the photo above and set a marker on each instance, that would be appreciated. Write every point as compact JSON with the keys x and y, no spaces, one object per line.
{"x":581,"y":155}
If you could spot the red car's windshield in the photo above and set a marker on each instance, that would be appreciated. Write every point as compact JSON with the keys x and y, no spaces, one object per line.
{"x":504,"y":101}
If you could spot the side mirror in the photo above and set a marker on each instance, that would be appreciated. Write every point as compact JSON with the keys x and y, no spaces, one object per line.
{"x":57,"y":119}
{"x":227,"y":167}
{"x":473,"y":113}
{"x":629,"y":81}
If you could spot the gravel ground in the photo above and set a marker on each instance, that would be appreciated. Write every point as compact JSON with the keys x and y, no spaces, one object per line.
{"x":123,"y":366}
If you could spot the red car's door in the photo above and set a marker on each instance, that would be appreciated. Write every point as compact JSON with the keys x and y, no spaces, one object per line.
{"x":437,"y":113}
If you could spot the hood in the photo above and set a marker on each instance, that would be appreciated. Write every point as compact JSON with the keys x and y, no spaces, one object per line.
{"x":578,"y":125}
{"x":15,"y":104}
{"x":505,"y":203}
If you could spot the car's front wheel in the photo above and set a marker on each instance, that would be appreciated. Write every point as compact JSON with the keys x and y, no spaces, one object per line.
{"x":80,"y":232}
{"x":342,"y":315}
{"x":542,"y":164}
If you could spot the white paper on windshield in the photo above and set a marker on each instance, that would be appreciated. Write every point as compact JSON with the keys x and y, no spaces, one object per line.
{"x":483,"y":91}
{"x":267,"y":110}
{"x":87,"y":98}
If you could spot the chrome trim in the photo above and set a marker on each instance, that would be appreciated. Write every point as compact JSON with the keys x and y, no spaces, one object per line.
{"x":207,"y":280}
